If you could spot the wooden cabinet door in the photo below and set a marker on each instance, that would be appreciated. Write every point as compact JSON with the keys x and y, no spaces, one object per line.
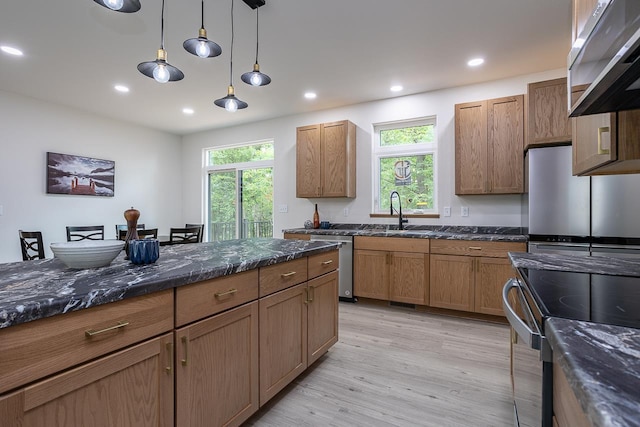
{"x":594,"y":139}
{"x":371,"y":274}
{"x":451,"y":284}
{"x":491,"y":275}
{"x":133,"y":387}
{"x":335,"y":167}
{"x":471,"y":147}
{"x":548,"y":118}
{"x":408,"y":278}
{"x":308,"y":161}
{"x":217,"y":369}
{"x":283,"y":339}
{"x":506,"y":145}
{"x":322,"y":315}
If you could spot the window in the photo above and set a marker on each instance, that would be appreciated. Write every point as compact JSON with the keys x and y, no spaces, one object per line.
{"x":239,"y":191}
{"x":404,"y":156}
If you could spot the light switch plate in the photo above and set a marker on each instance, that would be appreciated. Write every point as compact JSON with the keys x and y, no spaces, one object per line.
{"x":464,"y":211}
{"x":1,"y":210}
{"x":345,"y":212}
{"x":447,"y":211}
{"x":283,"y":208}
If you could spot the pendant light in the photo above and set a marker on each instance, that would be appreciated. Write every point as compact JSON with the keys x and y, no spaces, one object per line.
{"x":230,"y":102}
{"x":125,"y":6}
{"x":201,"y":46}
{"x":255,"y":77}
{"x":160,"y":69}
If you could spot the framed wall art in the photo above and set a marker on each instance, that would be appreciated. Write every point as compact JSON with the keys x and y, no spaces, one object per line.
{"x":84,"y":176}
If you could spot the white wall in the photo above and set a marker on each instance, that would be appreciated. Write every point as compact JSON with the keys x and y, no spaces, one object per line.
{"x":502,"y":210}
{"x":148,"y":172}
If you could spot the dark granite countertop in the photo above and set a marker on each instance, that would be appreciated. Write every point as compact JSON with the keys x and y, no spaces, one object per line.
{"x":36,"y":289}
{"x":601,"y":362}
{"x":577,"y":263}
{"x":501,"y":234}
{"x":602,"y":365}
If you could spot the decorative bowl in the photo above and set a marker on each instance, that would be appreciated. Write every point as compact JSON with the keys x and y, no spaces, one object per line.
{"x":87,"y":253}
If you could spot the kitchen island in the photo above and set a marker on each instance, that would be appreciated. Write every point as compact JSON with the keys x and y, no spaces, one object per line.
{"x":596,"y":366}
{"x":223,"y":327}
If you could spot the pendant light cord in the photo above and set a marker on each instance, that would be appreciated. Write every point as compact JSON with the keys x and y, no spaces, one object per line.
{"x":202,"y":15}
{"x":231,"y":60}
{"x":162,"y":27}
{"x":257,"y":32}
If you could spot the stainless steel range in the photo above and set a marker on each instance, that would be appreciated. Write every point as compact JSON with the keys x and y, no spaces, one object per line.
{"x":536,"y":295}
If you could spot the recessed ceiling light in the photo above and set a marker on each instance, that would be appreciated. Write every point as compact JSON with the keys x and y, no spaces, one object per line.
{"x":310,"y":95}
{"x":121,"y":88}
{"x":475,"y":62}
{"x":188,"y":111}
{"x":396,"y":88}
{"x":11,"y":50}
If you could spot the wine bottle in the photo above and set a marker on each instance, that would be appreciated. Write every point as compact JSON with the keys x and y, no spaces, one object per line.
{"x":316,"y":218}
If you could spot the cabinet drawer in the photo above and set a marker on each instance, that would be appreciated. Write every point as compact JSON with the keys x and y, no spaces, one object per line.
{"x":203,"y":299}
{"x":323,"y":263}
{"x":36,"y":349}
{"x":276,"y":277}
{"x":394,"y":244}
{"x":475,"y":248}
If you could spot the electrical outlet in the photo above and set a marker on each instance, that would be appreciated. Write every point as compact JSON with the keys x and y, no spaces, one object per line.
{"x":283,"y":209}
{"x":464,"y":211}
{"x":345,"y":212}
{"x":447,"y":211}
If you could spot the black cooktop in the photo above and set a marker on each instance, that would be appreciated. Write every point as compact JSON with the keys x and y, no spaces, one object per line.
{"x":600,"y":298}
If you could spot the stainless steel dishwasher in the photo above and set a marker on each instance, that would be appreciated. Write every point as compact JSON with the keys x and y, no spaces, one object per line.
{"x":345,"y":290}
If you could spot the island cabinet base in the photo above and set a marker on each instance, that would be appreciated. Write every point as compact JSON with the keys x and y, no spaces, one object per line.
{"x":133,"y":387}
{"x":217,"y":369}
{"x":205,"y":354}
{"x":297,"y":326}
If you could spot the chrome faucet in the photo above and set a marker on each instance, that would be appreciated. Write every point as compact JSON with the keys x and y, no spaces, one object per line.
{"x":400,"y":220}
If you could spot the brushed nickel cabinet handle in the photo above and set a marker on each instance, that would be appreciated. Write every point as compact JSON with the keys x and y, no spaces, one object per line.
{"x":289,"y":274}
{"x":327,"y":262}
{"x":306,"y":296}
{"x":92,"y":333}
{"x":601,"y":130}
{"x":475,"y":248}
{"x":311,"y":294}
{"x":185,"y":343}
{"x":223,"y":294}
{"x":169,"y":347}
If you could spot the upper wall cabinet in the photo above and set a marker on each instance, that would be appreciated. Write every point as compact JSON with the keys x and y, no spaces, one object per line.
{"x":548,"y":121}
{"x":489,"y":146}
{"x":603,"y":144}
{"x":326,"y":160}
{"x":606,"y":144}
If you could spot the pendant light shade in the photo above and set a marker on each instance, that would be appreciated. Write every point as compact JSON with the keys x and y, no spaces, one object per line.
{"x":255,"y":77}
{"x":230,"y":102}
{"x":124,"y":6}
{"x":160,"y":69}
{"x":201,"y":46}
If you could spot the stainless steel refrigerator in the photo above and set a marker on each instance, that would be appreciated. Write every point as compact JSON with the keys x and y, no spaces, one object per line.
{"x":570,"y":214}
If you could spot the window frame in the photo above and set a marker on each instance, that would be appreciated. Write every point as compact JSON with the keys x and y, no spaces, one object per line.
{"x":379,"y":152}
{"x":239,"y":167}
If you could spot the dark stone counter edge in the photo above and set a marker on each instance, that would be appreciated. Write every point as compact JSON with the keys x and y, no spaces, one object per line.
{"x":53,"y":306}
{"x":607,"y":413}
{"x":470,"y":233}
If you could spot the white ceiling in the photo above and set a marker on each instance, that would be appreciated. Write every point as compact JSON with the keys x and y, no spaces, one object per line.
{"x":348,"y":51}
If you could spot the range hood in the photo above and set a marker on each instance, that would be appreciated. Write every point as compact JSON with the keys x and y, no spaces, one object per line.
{"x":603,"y":61}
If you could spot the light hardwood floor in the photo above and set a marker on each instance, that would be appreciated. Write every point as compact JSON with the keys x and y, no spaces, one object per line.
{"x":397,"y":367}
